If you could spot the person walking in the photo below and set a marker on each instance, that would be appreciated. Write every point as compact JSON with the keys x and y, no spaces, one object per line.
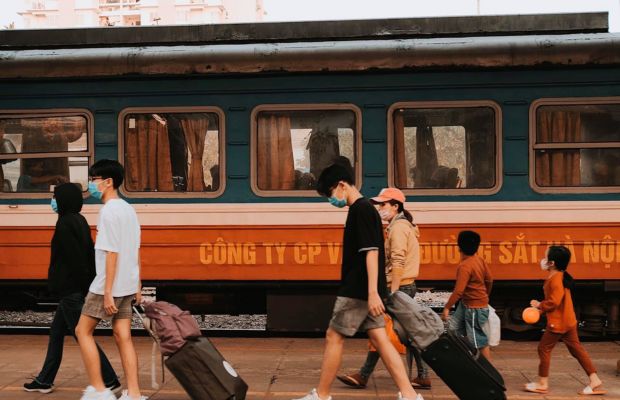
{"x":359,"y":305}
{"x":71,"y":270}
{"x":561,"y":323}
{"x":117,"y":283}
{"x":402,"y":265}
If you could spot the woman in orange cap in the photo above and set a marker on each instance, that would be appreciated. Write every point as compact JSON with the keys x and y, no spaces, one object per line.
{"x":402,"y":252}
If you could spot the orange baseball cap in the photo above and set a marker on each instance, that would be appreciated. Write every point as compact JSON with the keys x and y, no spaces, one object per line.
{"x":387,"y":194}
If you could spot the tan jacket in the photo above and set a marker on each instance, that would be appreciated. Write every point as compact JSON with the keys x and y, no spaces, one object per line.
{"x":402,"y":250}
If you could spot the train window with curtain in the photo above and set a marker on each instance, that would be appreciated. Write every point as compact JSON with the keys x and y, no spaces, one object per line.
{"x":41,"y":150}
{"x":575,"y":145}
{"x":172,"y":152}
{"x":292,"y":144}
{"x":445,"y":148}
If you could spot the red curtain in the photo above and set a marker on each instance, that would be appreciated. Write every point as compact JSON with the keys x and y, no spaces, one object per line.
{"x":147,"y":156}
{"x":275,"y":153}
{"x":553,"y":167}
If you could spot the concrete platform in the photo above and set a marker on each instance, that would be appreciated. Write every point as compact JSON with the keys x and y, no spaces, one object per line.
{"x":282,"y":368}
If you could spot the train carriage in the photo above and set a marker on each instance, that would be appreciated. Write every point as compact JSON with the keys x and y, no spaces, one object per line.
{"x":506,"y":125}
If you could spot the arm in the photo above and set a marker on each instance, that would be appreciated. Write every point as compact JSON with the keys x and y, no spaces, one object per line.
{"x":555,"y":296}
{"x":375,"y":305}
{"x":111,"y":259}
{"x":488,"y":280}
{"x":398,"y":254}
{"x":139,"y":293}
{"x":462,"y":277}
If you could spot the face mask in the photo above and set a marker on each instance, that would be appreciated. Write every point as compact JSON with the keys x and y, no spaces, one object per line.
{"x":543,"y":264}
{"x":385,"y":215}
{"x":336,"y":202}
{"x":54,"y":205}
{"x":94,"y":191}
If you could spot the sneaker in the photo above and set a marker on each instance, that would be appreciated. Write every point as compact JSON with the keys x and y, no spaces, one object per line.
{"x":354,"y":380}
{"x":36,"y":386}
{"x":125,"y":396}
{"x":114,"y":387}
{"x":90,"y":393}
{"x":313,"y":395}
{"x":421,"y":383}
{"x":418,"y":397}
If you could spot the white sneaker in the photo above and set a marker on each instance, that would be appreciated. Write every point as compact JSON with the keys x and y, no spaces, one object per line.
{"x":90,"y":393}
{"x":400,"y":397}
{"x":125,"y":396}
{"x":313,"y":395}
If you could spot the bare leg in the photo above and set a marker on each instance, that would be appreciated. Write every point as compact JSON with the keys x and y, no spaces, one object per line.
{"x":334,"y":343}
{"x":90,"y":354}
{"x":486,"y":352}
{"x":129,"y":358}
{"x":392,"y":361}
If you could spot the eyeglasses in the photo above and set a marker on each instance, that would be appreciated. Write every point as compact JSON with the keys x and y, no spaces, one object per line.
{"x":94,"y":178}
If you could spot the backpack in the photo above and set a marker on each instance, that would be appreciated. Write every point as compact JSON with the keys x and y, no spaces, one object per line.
{"x":171,"y":326}
{"x":414,"y":323}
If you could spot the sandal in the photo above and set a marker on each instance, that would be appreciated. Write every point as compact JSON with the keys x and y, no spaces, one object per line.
{"x":533,"y":388}
{"x":592,"y":391}
{"x":354,"y":380}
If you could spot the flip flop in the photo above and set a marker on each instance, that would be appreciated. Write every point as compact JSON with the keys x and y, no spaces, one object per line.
{"x":350,"y":381}
{"x":592,"y":391}
{"x":533,"y":388}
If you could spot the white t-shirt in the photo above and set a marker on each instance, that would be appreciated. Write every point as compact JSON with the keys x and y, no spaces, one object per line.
{"x":118,"y":231}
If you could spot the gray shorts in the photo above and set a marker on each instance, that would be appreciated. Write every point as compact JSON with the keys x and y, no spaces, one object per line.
{"x":351,"y":315}
{"x":93,"y":307}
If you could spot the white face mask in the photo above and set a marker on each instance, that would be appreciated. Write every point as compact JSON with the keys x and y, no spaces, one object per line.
{"x":385,"y":215}
{"x":543,"y":264}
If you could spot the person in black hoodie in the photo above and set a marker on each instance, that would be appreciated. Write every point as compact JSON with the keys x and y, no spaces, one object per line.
{"x":71,"y":270}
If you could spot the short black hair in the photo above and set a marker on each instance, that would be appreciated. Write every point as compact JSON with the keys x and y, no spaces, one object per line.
{"x":560,"y":255}
{"x":331,"y":176}
{"x":108,"y":169}
{"x":468,"y":242}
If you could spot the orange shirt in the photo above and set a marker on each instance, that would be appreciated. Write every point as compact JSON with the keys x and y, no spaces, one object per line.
{"x":558,"y":305}
{"x":473,"y":283}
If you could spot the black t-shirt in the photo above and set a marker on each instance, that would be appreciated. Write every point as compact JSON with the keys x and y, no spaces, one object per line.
{"x":363,"y":231}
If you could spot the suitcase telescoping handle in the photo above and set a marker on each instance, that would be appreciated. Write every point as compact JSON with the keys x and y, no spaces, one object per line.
{"x":154,"y":349}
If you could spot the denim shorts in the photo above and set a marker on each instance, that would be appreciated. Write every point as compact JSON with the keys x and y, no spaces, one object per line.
{"x":351,"y":315}
{"x":93,"y":307}
{"x":468,"y":322}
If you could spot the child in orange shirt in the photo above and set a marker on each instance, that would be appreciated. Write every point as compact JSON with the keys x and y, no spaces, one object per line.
{"x":561,"y":322}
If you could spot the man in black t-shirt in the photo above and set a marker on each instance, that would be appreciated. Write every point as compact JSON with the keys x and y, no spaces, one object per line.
{"x":359,"y":305}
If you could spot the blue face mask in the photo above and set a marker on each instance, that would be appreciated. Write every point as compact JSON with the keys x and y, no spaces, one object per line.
{"x":94,"y":190}
{"x":336,"y":202}
{"x":54,"y":205}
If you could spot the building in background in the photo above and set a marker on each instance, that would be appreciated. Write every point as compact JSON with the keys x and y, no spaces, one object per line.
{"x":42,"y":14}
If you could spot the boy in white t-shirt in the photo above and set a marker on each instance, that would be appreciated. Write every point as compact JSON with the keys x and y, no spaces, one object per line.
{"x":117,"y":283}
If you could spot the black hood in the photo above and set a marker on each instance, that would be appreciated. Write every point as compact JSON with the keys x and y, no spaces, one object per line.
{"x":69,"y":198}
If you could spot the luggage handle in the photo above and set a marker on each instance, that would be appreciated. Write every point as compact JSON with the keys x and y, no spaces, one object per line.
{"x":154,"y":350}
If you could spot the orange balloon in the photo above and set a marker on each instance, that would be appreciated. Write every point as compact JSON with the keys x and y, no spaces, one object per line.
{"x":531,"y":315}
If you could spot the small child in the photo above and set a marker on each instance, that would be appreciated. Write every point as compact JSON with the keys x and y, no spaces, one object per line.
{"x":561,"y":322}
{"x":473,"y":286}
{"x":117,"y":283}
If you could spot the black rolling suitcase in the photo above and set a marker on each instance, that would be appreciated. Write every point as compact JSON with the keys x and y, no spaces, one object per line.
{"x":204,"y":373}
{"x":463,"y":369}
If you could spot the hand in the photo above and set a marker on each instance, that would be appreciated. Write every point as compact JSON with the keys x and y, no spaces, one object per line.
{"x":375,"y":305}
{"x":108,"y":304}
{"x":138,"y":298}
{"x":445,"y":314}
{"x":535,"y":303}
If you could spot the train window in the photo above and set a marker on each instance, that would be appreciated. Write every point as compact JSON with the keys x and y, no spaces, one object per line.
{"x":40,"y":150}
{"x":445,"y":147}
{"x":173,"y":152}
{"x":292,"y":144}
{"x":575,"y":145}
